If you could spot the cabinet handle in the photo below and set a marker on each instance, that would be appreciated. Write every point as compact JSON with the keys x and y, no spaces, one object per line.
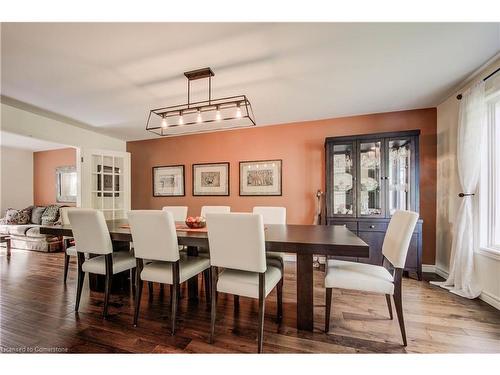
{"x":372,"y":226}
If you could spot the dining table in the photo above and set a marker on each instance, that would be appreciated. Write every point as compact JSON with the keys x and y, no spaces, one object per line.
{"x":305,"y":241}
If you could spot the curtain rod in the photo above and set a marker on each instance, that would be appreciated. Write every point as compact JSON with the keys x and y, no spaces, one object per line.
{"x":459,"y":96}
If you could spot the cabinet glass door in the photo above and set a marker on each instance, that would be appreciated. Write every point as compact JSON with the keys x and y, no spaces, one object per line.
{"x":343,"y":179}
{"x":398,"y":174}
{"x":370,"y":179}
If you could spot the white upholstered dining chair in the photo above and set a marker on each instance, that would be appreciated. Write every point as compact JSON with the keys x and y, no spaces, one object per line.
{"x":68,"y":248}
{"x":376,"y":279}
{"x":214,"y":210}
{"x":273,"y":215}
{"x":211,"y":210}
{"x":178,"y":212}
{"x":92,"y":236}
{"x":155,"y":239}
{"x":237,"y":244}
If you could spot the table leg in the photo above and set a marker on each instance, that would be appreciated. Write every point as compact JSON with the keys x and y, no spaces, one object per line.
{"x":7,"y":244}
{"x":305,"y":292}
{"x":193,"y":282}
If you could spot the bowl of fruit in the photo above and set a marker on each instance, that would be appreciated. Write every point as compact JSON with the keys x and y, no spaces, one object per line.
{"x":196,"y":222}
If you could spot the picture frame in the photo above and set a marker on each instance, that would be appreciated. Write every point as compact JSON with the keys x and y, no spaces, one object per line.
{"x":211,"y":179}
{"x":169,"y":181}
{"x":66,"y":184}
{"x":105,"y":180}
{"x":261,"y":178}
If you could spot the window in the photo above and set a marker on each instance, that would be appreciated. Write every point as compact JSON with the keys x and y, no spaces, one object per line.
{"x":490,"y":178}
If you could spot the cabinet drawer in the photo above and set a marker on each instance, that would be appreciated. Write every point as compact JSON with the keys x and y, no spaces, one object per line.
{"x":372,"y":226}
{"x":351,"y":225}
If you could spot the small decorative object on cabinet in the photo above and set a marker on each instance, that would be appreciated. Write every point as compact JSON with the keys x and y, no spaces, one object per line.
{"x":368,"y":177}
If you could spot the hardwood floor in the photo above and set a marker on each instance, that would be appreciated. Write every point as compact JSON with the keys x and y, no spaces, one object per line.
{"x":37,"y":314}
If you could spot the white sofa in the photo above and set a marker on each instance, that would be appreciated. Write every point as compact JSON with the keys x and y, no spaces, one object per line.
{"x":27,"y":236}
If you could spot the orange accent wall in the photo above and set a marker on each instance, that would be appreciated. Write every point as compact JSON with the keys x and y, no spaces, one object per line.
{"x":300,"y":146}
{"x":44,"y":174}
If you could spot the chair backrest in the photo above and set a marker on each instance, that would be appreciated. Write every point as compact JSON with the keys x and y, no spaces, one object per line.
{"x":214,"y":210}
{"x":271,"y":215}
{"x":154,"y":235}
{"x":398,"y":236}
{"x":179,"y":212}
{"x":64,"y":214}
{"x":237,"y":241}
{"x":90,"y":231}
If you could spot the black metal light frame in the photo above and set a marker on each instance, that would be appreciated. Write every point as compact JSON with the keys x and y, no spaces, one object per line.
{"x":209,"y":105}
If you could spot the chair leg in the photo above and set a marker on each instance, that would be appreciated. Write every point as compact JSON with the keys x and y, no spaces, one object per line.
{"x":150,"y":289}
{"x":175,"y":273}
{"x":398,"y":303}
{"x":109,"y":276}
{"x":236,"y":302}
{"x":66,"y":266}
{"x":138,"y":290}
{"x":328,"y":309}
{"x":206,"y":278}
{"x":213,"y":311}
{"x":81,"y":279}
{"x":262,"y":300}
{"x":279,"y":290}
{"x":389,"y":306}
{"x":132,"y":280}
{"x":173,"y":301}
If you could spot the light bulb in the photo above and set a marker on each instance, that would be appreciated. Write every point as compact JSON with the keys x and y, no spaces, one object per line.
{"x":198,"y":118}
{"x":164,"y":123}
{"x":238,"y":112}
{"x":217,"y":114}
{"x":181,"y":119}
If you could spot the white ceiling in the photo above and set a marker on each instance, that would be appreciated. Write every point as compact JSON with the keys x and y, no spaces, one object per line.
{"x":109,"y":75}
{"x":22,"y":142}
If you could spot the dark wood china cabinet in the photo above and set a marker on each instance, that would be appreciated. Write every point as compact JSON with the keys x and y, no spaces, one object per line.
{"x":368,"y":177}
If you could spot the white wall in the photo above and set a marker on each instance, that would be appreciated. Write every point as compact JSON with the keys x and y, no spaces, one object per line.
{"x":16,"y":178}
{"x":487,"y":265}
{"x":25,"y":122}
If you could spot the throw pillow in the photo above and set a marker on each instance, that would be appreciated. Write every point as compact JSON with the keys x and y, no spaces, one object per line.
{"x":11,"y":216}
{"x":24,"y":215}
{"x":36,"y":215}
{"x":50,"y":215}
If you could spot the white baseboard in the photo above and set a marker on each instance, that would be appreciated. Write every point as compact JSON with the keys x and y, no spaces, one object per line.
{"x":293,"y":258}
{"x":429,"y":268}
{"x":490,"y":299}
{"x":442,"y":272}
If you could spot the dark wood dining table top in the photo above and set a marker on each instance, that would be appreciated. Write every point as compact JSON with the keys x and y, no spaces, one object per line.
{"x":291,"y":238}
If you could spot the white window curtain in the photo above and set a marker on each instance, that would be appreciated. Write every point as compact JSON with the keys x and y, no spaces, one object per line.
{"x":471,"y":125}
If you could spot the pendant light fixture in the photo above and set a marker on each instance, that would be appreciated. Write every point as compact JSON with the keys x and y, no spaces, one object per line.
{"x":192,"y":117}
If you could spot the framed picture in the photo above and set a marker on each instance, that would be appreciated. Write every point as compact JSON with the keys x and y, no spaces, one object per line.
{"x":168,"y":181}
{"x":262,"y":177}
{"x":66,"y":184}
{"x":105,"y":180}
{"x":211,"y":179}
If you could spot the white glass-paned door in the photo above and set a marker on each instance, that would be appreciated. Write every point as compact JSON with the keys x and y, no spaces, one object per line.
{"x":106,"y":177}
